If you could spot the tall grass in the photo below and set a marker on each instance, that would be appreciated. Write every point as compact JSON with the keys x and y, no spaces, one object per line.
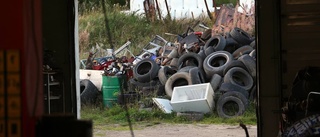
{"x":125,"y":26}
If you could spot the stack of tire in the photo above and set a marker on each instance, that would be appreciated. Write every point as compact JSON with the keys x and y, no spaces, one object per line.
{"x":226,"y":62}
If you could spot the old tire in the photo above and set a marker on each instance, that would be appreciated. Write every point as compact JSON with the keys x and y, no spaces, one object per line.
{"x":226,"y":87}
{"x":177,"y":79}
{"x":231,"y":45}
{"x":226,"y":104}
{"x":253,"y":94}
{"x":145,"y":70}
{"x":186,"y":69}
{"x":136,"y":85}
{"x":164,"y":73}
{"x":202,"y":54}
{"x":234,"y":63}
{"x":216,"y":62}
{"x":196,"y":75}
{"x":215,"y":81}
{"x":242,"y":51}
{"x":151,"y":91}
{"x":174,"y":63}
{"x":240,"y":77}
{"x":218,"y":42}
{"x":209,"y":50}
{"x":239,"y":95}
{"x":190,"y":59}
{"x":88,"y":92}
{"x":253,"y":54}
{"x":250,"y":64}
{"x":240,"y":36}
{"x":253,"y":44}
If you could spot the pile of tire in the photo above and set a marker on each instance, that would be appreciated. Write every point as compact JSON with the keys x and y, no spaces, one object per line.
{"x":227,"y":62}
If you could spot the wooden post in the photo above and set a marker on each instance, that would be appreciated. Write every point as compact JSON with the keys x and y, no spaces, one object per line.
{"x":208,"y":11}
{"x":167,"y":9}
{"x":215,"y":8}
{"x":145,"y":10}
{"x":159,"y":13}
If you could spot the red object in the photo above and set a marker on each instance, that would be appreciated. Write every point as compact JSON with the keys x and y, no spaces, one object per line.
{"x":21,"y":36}
{"x":198,"y":33}
{"x":102,"y":66}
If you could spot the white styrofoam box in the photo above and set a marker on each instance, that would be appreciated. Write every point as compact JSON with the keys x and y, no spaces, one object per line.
{"x":193,"y":98}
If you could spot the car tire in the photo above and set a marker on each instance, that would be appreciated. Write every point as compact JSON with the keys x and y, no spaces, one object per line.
{"x":145,"y":70}
{"x":88,"y":92}
{"x":218,"y":42}
{"x":240,"y":36}
{"x":250,"y":64}
{"x":197,"y":77}
{"x":240,"y":77}
{"x":191,"y":56}
{"x":164,"y":73}
{"x":242,"y":51}
{"x":215,"y":81}
{"x":177,"y":79}
{"x":226,"y":87}
{"x":216,"y":62}
{"x":234,"y":63}
{"x":226,"y":101}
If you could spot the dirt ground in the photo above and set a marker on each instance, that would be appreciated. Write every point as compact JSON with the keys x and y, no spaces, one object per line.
{"x":182,"y":130}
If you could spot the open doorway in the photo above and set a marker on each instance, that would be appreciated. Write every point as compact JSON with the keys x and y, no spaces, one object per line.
{"x":231,"y":39}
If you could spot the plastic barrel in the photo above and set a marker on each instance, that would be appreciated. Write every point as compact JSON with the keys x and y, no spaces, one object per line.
{"x":111,"y":87}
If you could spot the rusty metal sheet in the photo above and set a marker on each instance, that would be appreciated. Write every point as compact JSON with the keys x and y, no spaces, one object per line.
{"x":225,"y":15}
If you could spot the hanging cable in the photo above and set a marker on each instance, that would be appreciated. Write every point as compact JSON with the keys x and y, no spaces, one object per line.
{"x":107,"y":24}
{"x":110,"y":42}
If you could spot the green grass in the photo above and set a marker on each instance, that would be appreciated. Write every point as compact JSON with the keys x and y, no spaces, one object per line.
{"x":140,"y":31}
{"x":115,"y":118}
{"x":123,"y":27}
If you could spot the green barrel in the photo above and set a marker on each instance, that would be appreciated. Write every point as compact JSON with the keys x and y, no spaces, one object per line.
{"x":111,"y":87}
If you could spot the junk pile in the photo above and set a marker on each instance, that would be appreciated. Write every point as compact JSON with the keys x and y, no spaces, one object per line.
{"x":226,"y":62}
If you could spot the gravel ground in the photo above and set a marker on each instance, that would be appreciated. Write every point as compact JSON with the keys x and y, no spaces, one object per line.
{"x":182,"y":130}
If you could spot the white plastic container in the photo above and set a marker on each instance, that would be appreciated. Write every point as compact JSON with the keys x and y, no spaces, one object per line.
{"x":193,"y":98}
